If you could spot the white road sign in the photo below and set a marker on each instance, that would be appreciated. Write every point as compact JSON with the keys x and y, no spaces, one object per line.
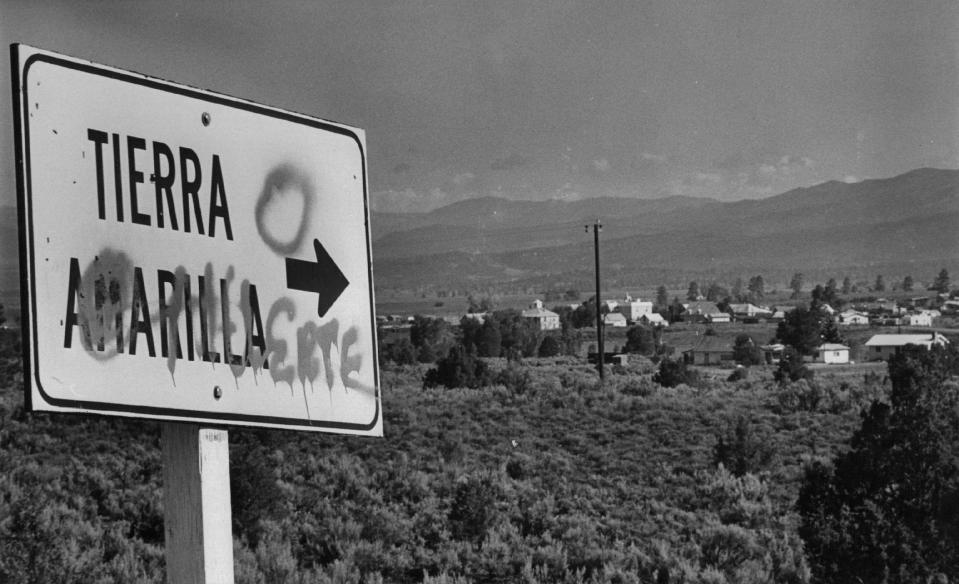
{"x":191,"y":256}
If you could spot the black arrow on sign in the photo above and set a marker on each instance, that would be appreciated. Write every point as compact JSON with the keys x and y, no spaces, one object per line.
{"x":322,"y":276}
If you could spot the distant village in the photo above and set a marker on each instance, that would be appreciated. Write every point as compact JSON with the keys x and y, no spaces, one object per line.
{"x":705,"y":332}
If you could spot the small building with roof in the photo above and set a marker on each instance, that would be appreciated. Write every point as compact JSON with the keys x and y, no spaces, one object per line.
{"x":710,"y":350}
{"x":852,"y":317}
{"x":833,"y":353}
{"x":615,"y":320}
{"x":881,"y":347}
{"x":541,"y":318}
{"x":633,"y":310}
{"x":705,"y":311}
{"x":653,"y":319}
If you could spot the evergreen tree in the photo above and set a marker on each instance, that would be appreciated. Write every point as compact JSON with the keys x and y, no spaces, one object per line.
{"x":887,"y":510}
{"x":746,"y":351}
{"x":662,"y":297}
{"x":796,"y":285}
{"x":804,"y":329}
{"x":715,"y":292}
{"x":942,"y":283}
{"x":846,"y":285}
{"x":880,"y":285}
{"x":460,"y":368}
{"x":639,"y":339}
{"x":757,"y":288}
{"x":908,"y":284}
{"x":489,"y":339}
{"x":672,"y":373}
{"x":737,"y":291}
{"x":550,"y":347}
{"x":791,"y":367}
{"x":741,"y":450}
{"x":692,"y":294}
{"x":831,"y":297}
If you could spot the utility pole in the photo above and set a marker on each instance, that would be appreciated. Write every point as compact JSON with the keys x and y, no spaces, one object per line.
{"x":597,"y":227}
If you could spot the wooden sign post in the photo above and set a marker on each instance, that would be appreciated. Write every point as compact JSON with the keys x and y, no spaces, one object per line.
{"x":213,"y":249}
{"x":196,"y":504}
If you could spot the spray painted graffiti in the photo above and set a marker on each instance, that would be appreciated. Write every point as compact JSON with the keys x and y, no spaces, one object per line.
{"x":115,"y":307}
{"x":110,"y":309}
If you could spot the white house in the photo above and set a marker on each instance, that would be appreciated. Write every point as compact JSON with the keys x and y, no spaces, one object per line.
{"x":634,"y":309}
{"x":705,"y":311}
{"x":832,"y":353}
{"x":749,"y":310}
{"x":851,"y":317}
{"x":653,"y":319}
{"x":614,"y":319}
{"x":881,"y":347}
{"x":917,"y":319}
{"x":543,"y":319}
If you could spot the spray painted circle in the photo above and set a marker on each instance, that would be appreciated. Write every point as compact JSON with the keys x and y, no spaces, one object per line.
{"x":280,"y":190}
{"x":105,"y":296}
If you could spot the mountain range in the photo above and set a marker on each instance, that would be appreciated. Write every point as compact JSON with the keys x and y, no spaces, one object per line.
{"x":904,"y":225}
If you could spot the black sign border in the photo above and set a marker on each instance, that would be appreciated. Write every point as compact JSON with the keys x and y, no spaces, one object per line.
{"x":28,"y":267}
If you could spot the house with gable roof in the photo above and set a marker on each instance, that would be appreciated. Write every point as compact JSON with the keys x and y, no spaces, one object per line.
{"x":881,"y":347}
{"x":705,"y":311}
{"x":541,"y":318}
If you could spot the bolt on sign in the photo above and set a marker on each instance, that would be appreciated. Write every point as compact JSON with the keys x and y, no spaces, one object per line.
{"x":190,"y":256}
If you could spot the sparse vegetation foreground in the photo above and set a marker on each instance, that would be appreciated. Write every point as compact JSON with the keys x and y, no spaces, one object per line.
{"x":539,"y":474}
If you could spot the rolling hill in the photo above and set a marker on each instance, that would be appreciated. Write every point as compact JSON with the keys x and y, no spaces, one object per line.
{"x":895,"y":226}
{"x":904,"y":225}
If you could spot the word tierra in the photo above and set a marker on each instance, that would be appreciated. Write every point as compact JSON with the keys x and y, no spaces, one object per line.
{"x":164,"y":174}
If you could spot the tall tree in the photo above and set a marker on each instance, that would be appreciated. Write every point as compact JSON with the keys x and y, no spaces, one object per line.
{"x":737,"y":291}
{"x":796,"y":285}
{"x":693,"y":292}
{"x":640,"y":339}
{"x":831,"y":297}
{"x":805,"y":329}
{"x":757,"y":288}
{"x":715,"y":292}
{"x":662,"y":297}
{"x":887,"y":510}
{"x":908,"y":284}
{"x":489,"y":340}
{"x":846,"y":285}
{"x":880,"y":285}
{"x":746,"y":351}
{"x":942,"y":282}
{"x":675,"y":310}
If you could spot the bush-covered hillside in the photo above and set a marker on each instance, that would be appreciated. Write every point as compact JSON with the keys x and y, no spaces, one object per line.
{"x":544,"y":477}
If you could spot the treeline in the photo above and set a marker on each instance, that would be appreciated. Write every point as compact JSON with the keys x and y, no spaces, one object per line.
{"x":502,"y":333}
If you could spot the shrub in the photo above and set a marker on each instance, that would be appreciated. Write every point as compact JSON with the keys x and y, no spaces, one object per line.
{"x":550,"y":347}
{"x":791,"y":367}
{"x":460,"y":368}
{"x":675,"y":372}
{"x":475,"y":507}
{"x":746,"y":351}
{"x":741,"y":450}
{"x":639,"y":339}
{"x":401,"y":352}
{"x":739,"y":374}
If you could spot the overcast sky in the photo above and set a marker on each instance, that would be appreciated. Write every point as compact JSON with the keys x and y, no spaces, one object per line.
{"x":728,"y":99}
